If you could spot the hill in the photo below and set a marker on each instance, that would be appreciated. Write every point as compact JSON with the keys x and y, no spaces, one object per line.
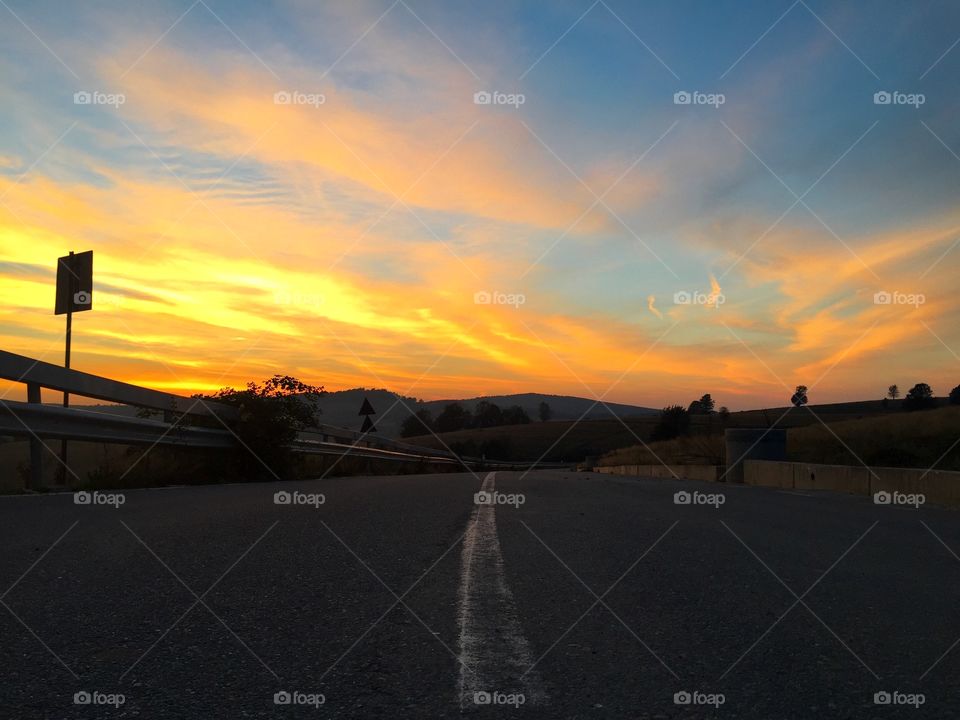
{"x":341,"y":408}
{"x":563,"y":407}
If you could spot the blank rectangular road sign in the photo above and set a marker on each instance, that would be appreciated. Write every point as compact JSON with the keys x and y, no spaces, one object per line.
{"x":74,"y":283}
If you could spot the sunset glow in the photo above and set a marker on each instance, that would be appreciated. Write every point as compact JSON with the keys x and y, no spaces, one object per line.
{"x":398,"y":234}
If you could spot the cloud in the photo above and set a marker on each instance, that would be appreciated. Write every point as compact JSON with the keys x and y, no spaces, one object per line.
{"x":651,"y":299}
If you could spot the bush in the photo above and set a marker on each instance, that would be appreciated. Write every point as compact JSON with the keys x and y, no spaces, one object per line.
{"x":919,"y":397}
{"x":270,"y":416}
{"x":420,"y":423}
{"x":955,"y":396}
{"x":674,"y":422}
{"x":453,"y":417}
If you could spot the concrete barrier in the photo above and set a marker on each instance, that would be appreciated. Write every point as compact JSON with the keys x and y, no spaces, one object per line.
{"x":707,"y":473}
{"x":752,"y":444}
{"x":938,"y":487}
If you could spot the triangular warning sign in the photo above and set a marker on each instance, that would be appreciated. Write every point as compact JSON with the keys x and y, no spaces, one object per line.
{"x":366,"y":408}
{"x":368,"y":425}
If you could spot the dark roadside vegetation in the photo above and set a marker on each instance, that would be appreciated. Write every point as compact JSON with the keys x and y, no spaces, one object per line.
{"x":918,"y":430}
{"x":271,"y":414}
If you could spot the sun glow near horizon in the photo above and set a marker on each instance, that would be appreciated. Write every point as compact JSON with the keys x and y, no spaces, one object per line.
{"x":400,"y":235}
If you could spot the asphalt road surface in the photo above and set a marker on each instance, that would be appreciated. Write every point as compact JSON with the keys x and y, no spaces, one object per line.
{"x":573,"y":596}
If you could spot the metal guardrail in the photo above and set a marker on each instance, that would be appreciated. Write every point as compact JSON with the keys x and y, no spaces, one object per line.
{"x":37,"y":421}
{"x":46,"y":421}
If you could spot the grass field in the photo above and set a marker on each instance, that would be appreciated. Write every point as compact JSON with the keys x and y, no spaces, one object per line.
{"x":571,"y":441}
{"x":555,"y":441}
{"x":928,"y":438}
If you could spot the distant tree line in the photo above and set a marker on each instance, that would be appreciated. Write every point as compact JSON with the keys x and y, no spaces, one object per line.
{"x":455,"y":416}
{"x":675,"y":419}
{"x":920,"y":397}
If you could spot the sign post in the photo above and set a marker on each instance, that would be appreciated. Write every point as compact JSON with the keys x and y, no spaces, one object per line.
{"x":367,"y":410}
{"x":74,"y":294}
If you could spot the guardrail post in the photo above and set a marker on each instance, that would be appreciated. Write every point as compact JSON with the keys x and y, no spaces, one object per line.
{"x":36,"y":447}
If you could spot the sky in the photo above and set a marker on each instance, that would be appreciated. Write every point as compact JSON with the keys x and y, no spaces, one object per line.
{"x":634,"y":201}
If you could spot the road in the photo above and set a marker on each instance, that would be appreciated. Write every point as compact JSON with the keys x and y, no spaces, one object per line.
{"x":579,"y":595}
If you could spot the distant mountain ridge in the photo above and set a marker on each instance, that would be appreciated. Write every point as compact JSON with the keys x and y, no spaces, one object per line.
{"x":342,"y":408}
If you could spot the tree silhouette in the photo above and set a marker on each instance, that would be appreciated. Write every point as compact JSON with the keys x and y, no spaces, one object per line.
{"x":703,"y":406}
{"x":955,"y":396}
{"x":800,"y":396}
{"x":674,"y":421}
{"x":453,"y":417}
{"x":420,"y":423}
{"x":270,"y":416}
{"x":545,"y":412}
{"x":893,"y":392}
{"x":919,"y":397}
{"x":515,"y":415}
{"x":487,"y":414}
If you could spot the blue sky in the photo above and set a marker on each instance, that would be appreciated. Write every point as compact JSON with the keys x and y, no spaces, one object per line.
{"x":398,"y":198}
